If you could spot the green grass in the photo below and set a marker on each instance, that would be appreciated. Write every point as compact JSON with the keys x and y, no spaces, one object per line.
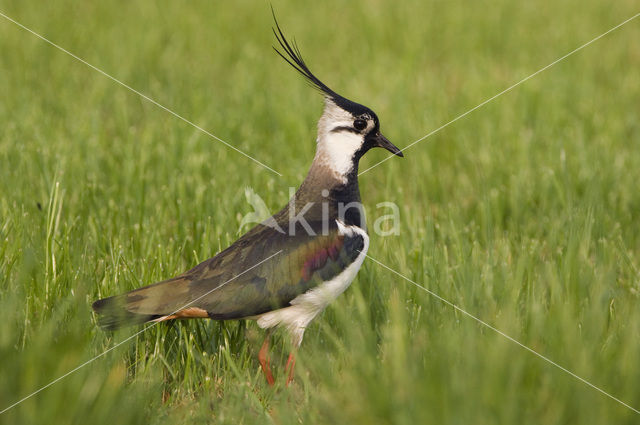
{"x":524,"y":213}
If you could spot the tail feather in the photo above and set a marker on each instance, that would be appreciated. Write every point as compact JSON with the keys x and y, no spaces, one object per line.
{"x":113,"y":313}
{"x":142,"y":305}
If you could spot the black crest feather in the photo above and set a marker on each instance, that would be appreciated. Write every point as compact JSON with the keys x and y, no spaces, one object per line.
{"x":294,"y":58}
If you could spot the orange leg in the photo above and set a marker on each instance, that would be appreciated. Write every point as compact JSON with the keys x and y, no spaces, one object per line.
{"x":291,"y":363}
{"x":263,"y":358}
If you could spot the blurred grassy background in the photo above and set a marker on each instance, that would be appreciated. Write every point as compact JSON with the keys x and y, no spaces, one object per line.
{"x":525,"y":213}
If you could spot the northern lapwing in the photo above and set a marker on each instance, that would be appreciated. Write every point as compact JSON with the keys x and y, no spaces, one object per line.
{"x":286,"y":270}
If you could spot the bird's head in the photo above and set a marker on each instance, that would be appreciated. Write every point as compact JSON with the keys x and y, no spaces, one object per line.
{"x":347,"y":130}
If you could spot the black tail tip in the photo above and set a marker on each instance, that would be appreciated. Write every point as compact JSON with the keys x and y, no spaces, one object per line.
{"x":99,"y":305}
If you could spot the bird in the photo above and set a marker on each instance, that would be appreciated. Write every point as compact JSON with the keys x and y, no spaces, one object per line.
{"x":289,"y":268}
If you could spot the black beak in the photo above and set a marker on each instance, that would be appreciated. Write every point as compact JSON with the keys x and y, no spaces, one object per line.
{"x":379,"y":141}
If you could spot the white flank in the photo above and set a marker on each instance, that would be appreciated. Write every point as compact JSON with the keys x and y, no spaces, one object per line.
{"x":308,"y":305}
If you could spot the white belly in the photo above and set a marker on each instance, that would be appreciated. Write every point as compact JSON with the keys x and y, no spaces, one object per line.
{"x":308,"y":305}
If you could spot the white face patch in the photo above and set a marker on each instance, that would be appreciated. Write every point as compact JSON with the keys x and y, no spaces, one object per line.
{"x":336,"y":151}
{"x":336,"y":148}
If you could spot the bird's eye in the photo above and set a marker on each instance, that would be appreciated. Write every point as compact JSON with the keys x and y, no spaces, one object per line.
{"x":359,"y":124}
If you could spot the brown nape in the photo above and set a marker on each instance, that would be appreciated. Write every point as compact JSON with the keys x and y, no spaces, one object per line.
{"x":187,"y":313}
